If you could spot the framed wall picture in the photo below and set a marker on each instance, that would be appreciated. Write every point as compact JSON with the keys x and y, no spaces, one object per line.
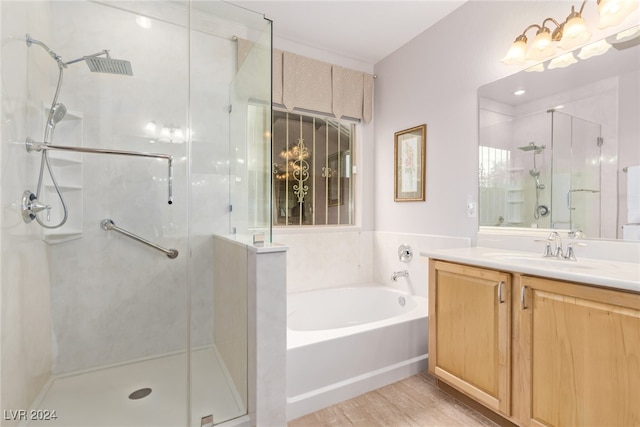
{"x":410,"y":147}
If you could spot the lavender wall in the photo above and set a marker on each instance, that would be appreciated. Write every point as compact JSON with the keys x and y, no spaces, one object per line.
{"x":434,"y":79}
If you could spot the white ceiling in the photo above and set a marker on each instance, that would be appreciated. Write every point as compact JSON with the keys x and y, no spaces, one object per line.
{"x":366,"y":30}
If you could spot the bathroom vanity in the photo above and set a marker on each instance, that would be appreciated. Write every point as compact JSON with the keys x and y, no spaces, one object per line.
{"x":539,"y":341}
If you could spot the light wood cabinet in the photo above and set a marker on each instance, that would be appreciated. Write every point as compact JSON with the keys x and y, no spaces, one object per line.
{"x":552,"y":353}
{"x":584,"y":347}
{"x":469,"y":331}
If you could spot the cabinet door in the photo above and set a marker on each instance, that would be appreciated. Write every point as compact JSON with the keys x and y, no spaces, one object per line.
{"x":469,"y":331}
{"x":584,"y":347}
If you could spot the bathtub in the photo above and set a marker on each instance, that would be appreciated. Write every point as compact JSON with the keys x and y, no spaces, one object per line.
{"x":342,"y":342}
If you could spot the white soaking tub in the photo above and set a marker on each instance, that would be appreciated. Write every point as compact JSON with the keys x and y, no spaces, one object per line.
{"x":342,"y":342}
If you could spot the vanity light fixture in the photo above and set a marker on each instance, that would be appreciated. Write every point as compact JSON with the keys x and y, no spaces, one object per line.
{"x":623,"y":35}
{"x":569,"y":34}
{"x":541,"y":47}
{"x":562,"y":61}
{"x":165,"y":132}
{"x":594,"y":49}
{"x":574,"y":31}
{"x":613,"y":12}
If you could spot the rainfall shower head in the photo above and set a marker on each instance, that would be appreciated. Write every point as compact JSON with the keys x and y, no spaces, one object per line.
{"x":96,"y":63}
{"x":108,"y":65}
{"x":532,"y":146}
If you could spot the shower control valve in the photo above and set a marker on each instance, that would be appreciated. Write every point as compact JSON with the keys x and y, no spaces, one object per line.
{"x":405,"y":253}
{"x":31,"y":206}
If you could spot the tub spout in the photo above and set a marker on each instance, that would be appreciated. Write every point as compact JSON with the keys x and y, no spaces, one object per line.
{"x":396,"y":274}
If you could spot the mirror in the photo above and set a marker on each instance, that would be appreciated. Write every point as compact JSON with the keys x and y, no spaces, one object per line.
{"x":557,"y":156}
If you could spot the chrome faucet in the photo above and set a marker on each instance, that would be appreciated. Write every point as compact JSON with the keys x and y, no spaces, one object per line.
{"x":396,"y":274}
{"x":577,"y":234}
{"x":557,"y":252}
{"x":555,"y":238}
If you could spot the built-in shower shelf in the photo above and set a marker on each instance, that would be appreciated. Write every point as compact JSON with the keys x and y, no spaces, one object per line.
{"x":63,"y":188}
{"x":64,"y":161}
{"x":59,"y":237}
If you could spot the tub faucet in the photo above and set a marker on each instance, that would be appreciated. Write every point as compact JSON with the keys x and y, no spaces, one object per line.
{"x":396,"y":274}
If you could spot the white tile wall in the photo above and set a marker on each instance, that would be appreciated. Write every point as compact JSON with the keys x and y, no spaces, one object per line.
{"x":318,"y":259}
{"x":25,"y":304}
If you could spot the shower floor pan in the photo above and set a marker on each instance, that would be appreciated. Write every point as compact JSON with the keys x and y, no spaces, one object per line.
{"x":100,"y":398}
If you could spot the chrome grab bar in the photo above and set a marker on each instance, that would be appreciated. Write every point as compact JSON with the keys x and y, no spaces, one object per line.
{"x":109,"y":225}
{"x":38,"y":146}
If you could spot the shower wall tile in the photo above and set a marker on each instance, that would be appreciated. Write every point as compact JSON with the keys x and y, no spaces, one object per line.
{"x":268,"y":335}
{"x":251,"y":323}
{"x":230,"y":284}
{"x":324,"y":259}
{"x":24,"y":276}
{"x":319,"y":259}
{"x":130,"y":303}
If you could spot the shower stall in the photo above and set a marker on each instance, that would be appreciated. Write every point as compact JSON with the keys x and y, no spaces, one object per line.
{"x":541,"y":170}
{"x":118,"y":168}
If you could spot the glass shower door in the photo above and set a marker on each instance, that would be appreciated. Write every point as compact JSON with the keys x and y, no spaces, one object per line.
{"x":117,"y":307}
{"x":250,"y":139}
{"x":584,"y":199}
{"x":576,"y":174}
{"x":230,"y":114}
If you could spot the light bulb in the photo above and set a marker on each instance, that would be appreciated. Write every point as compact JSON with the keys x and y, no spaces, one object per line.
{"x":574,"y":33}
{"x":143,"y":22}
{"x":613,"y":12}
{"x":516,"y":53}
{"x":541,"y":48}
{"x":150,"y":127}
{"x":562,"y":61}
{"x":594,"y":49}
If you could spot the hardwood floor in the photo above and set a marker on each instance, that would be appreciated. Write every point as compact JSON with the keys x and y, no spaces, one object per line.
{"x":415,"y":401}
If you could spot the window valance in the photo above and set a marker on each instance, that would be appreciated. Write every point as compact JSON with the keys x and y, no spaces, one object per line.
{"x":309,"y":84}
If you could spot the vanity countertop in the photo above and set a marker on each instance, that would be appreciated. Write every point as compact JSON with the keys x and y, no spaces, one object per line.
{"x":610,"y":274}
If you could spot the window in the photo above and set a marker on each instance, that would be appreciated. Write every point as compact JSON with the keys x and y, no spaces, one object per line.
{"x":312,"y":168}
{"x":495,"y":181}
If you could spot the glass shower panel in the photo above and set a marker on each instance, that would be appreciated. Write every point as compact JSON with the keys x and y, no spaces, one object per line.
{"x":585,"y":197}
{"x":250,"y":137}
{"x":112,"y":313}
{"x":576,"y":174}
{"x":562,"y":170}
{"x":120,"y":308}
{"x":229,"y":127}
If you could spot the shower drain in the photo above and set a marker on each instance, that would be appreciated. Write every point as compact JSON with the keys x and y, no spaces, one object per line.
{"x":140,"y":394}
